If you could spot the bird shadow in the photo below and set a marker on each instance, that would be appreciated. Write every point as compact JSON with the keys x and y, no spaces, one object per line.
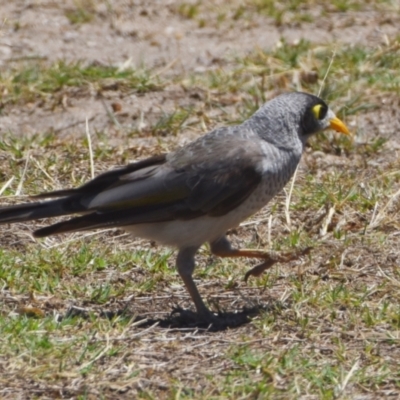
{"x":186,"y":319}
{"x":181,"y":318}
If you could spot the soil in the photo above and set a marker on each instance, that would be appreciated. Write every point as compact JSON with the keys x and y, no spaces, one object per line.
{"x":157,"y":35}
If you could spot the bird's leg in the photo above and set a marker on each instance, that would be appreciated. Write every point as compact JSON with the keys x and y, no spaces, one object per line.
{"x":185,"y":265}
{"x":223,"y":248}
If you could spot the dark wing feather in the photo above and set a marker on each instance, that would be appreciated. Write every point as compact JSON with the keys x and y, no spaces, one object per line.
{"x":105,"y":180}
{"x":75,"y":201}
{"x":210,"y":176}
{"x":222,"y":170}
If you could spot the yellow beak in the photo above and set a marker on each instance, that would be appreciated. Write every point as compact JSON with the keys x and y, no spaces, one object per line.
{"x":339,"y":126}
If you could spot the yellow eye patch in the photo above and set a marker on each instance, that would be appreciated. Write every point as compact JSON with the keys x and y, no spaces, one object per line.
{"x":317,"y":111}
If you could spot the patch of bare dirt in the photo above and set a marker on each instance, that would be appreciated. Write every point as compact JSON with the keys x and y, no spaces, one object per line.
{"x":154,"y":34}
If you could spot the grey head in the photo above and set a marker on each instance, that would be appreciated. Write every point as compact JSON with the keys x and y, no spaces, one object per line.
{"x":288,"y":120}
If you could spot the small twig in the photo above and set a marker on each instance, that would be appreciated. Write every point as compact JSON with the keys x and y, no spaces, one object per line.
{"x":346,"y":380}
{"x":253,"y":222}
{"x":89,"y":139}
{"x":203,"y":125}
{"x":327,"y":72}
{"x":74,"y":238}
{"x":98,"y":356}
{"x":43,"y":170}
{"x":130,"y":337}
{"x":328,"y":220}
{"x":381,"y":214}
{"x":166,"y":68}
{"x":19,"y":188}
{"x":392,"y":280}
{"x":6,"y":185}
{"x":288,"y":199}
{"x":269,"y":232}
{"x":371,"y":223}
{"x":391,"y":49}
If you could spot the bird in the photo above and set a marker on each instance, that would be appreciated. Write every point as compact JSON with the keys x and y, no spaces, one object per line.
{"x":195,"y":194}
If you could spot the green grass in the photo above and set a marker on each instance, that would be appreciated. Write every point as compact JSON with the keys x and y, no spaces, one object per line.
{"x":307,"y":344}
{"x":288,"y":13}
{"x":331,"y":323}
{"x":82,"y":11}
{"x":29,"y":81}
{"x":303,"y":66}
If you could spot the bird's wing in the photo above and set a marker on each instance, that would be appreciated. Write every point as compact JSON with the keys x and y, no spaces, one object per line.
{"x":107,"y":179}
{"x":210,"y":176}
{"x":220,"y":181}
{"x":75,"y":201}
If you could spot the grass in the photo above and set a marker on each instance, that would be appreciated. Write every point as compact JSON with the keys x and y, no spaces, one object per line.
{"x":82,"y":315}
{"x":291,"y":13}
{"x":28,"y":81}
{"x":81,"y":12}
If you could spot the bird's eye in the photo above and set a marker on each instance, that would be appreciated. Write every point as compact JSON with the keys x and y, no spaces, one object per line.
{"x":320,"y":111}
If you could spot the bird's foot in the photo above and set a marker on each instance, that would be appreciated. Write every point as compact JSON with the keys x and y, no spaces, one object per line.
{"x":273,"y":258}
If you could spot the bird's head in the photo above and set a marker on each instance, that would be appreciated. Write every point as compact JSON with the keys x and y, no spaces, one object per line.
{"x":293,"y":117}
{"x":316,"y":116}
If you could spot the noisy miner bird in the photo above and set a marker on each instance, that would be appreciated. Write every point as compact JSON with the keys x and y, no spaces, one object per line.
{"x":196,"y":193}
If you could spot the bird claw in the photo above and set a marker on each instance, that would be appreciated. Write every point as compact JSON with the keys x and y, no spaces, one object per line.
{"x":259,"y":269}
{"x":270,"y":260}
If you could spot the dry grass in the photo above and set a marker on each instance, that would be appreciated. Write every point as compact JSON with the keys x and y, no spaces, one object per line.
{"x":86,"y":316}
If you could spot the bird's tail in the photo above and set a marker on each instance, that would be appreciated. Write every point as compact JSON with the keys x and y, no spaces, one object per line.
{"x":38,"y":210}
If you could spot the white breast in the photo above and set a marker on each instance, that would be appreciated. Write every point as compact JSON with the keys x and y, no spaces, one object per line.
{"x":197,"y":231}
